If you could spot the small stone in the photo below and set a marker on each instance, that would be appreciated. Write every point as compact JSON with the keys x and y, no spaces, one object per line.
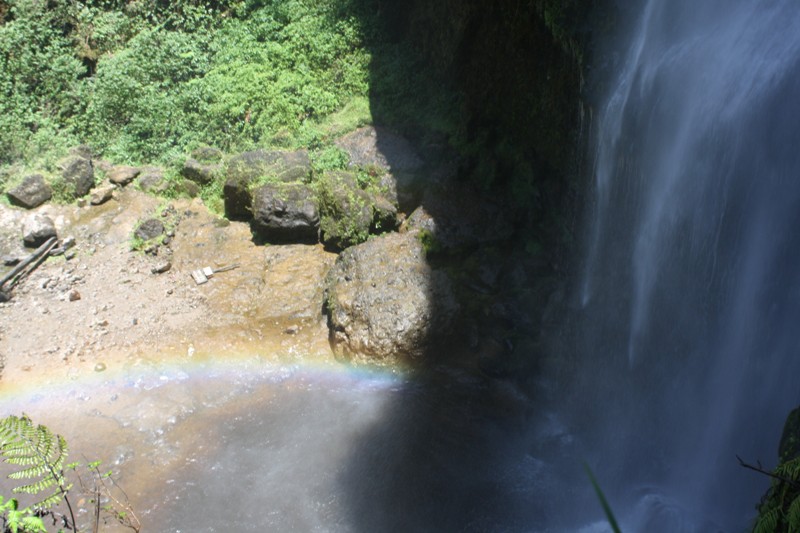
{"x":99,"y":367}
{"x":162,"y":267}
{"x":102,"y":194}
{"x":10,"y":260}
{"x":69,"y":255}
{"x":149,"y":229}
{"x":74,"y":295}
{"x":135,"y":321}
{"x":292,"y":330}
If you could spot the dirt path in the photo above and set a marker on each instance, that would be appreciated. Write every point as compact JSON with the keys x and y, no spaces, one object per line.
{"x":271,"y":303}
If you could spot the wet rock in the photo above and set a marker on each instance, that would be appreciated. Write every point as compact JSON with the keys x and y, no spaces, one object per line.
{"x":244,"y":170}
{"x":78,"y":174}
{"x":102,"y":194}
{"x":32,"y":192}
{"x":37,"y":229}
{"x":123,"y":175}
{"x":345,"y":210}
{"x":200,"y":173}
{"x":149,"y":229}
{"x":385,"y":303}
{"x":285,"y":212}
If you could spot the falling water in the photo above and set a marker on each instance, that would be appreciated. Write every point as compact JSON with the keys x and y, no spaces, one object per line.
{"x":691,"y":292}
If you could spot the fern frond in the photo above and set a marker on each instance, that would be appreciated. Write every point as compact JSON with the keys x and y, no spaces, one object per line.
{"x":40,"y":452}
{"x":33,"y":524}
{"x":52,"y":500}
{"x":768,"y":522}
{"x":789,"y":469}
{"x":34,"y":471}
{"x":793,"y":516}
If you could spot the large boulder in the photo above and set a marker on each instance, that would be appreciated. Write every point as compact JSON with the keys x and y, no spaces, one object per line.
{"x":37,"y":229}
{"x":285,"y":212}
{"x":400,"y":164}
{"x":245,"y":170}
{"x":385,"y":304}
{"x":32,"y":192}
{"x":346,"y":211}
{"x":78,"y":175}
{"x":122,"y":175}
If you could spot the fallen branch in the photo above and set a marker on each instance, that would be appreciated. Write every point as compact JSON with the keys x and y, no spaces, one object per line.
{"x":761,"y":470}
{"x":39,"y":254}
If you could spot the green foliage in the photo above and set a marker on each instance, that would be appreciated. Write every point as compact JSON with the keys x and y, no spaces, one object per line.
{"x":40,"y":454}
{"x":329,"y":158}
{"x":20,"y":520}
{"x":430,"y":244}
{"x":780,"y":508}
{"x":142,"y":81}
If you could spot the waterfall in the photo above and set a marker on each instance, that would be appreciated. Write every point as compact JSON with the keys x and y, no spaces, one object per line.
{"x":689,"y":328}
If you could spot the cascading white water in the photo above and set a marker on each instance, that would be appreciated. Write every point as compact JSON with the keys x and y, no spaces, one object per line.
{"x":690,"y":299}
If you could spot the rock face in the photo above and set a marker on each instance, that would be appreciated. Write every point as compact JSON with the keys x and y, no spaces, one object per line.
{"x":285,"y":212}
{"x":346,"y":212}
{"x":243,"y":170}
{"x":461,"y":217}
{"x":32,"y":192}
{"x":78,"y":174}
{"x":36,"y":229}
{"x":385,"y":304}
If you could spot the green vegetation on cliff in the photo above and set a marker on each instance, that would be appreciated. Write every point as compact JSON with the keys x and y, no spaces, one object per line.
{"x":144,"y":80}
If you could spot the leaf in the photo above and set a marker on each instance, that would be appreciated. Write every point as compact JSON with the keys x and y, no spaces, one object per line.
{"x":606,"y":507}
{"x":793,"y":516}
{"x":768,"y":522}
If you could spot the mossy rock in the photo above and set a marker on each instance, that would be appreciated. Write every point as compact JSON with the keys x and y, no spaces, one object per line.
{"x":249,"y":170}
{"x":346,"y":211}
